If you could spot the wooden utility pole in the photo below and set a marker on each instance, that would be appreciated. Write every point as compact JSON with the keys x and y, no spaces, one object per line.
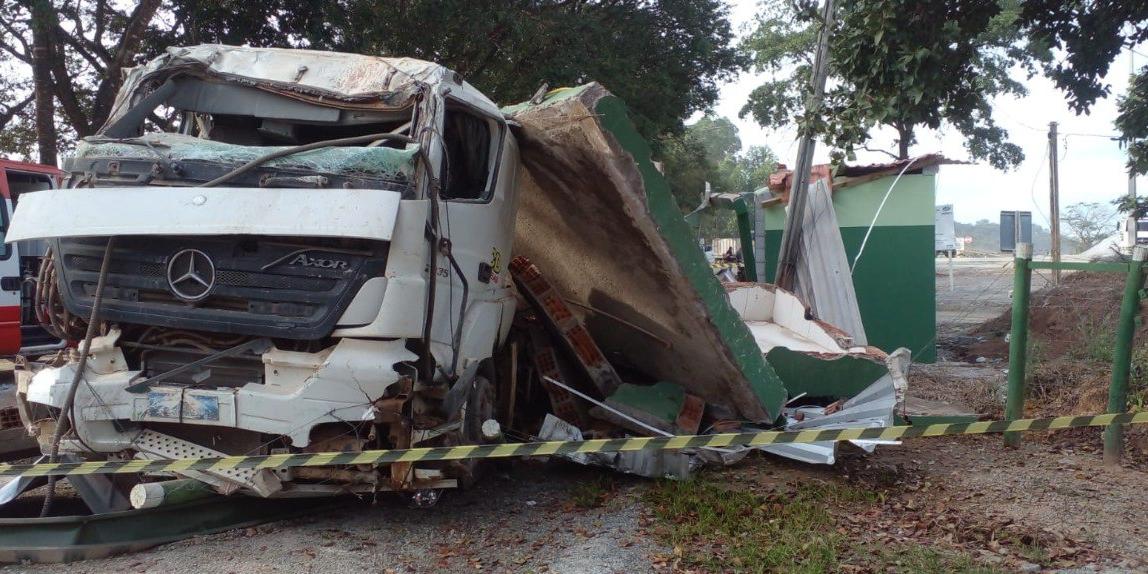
{"x":1131,"y":171}
{"x":791,"y":235}
{"x":1054,"y":200}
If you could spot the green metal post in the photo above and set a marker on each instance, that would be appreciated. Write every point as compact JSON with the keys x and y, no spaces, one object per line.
{"x":1122,"y":356}
{"x":745,"y":230}
{"x":1018,"y":339}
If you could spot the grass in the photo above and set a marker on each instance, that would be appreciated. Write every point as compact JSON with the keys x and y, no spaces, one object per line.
{"x":1098,"y":338}
{"x":593,"y":493}
{"x":922,"y":560}
{"x":721,"y":529}
{"x":714,"y":526}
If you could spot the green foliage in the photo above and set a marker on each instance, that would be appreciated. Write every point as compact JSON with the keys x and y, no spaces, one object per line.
{"x":1132,"y":122}
{"x":709,"y":151}
{"x":924,"y":560}
{"x":987,"y":237}
{"x":1138,"y":377}
{"x":1089,"y":36}
{"x":666,"y":59}
{"x":718,"y":137}
{"x":905,"y":64}
{"x":1099,"y":339}
{"x":593,"y":493}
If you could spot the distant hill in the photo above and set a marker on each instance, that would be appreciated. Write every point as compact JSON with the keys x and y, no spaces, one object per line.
{"x":987,"y":238}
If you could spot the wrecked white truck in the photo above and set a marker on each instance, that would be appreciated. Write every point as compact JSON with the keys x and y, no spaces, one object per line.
{"x":274,"y":251}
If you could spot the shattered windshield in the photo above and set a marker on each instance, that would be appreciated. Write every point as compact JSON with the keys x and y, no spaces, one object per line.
{"x":202,"y":129}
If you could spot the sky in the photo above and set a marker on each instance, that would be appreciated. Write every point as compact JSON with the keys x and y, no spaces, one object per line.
{"x":1092,"y":166}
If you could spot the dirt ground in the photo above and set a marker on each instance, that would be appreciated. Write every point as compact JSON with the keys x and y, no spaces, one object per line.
{"x":954,"y":504}
{"x":1038,"y":508}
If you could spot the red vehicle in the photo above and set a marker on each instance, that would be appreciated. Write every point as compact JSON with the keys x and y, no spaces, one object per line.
{"x":18,"y":325}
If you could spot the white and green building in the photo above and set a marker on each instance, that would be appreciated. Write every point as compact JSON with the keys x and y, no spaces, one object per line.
{"x":895,"y":277}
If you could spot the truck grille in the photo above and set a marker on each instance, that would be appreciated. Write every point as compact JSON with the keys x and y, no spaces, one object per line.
{"x":276,"y":287}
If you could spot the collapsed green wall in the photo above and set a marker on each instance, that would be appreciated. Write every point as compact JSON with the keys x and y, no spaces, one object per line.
{"x":766,"y":384}
{"x":896,"y":278}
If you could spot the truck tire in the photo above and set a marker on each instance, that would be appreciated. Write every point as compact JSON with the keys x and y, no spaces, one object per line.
{"x":479,"y":408}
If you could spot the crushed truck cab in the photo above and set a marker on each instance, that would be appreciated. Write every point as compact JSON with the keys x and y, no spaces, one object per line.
{"x":288,"y":251}
{"x":371,"y":276}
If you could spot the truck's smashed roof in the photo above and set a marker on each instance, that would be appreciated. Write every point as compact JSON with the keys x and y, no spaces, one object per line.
{"x":351,"y":81}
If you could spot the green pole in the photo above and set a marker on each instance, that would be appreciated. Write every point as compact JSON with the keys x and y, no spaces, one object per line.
{"x":1018,"y":339}
{"x":745,"y":230}
{"x":1122,"y":355}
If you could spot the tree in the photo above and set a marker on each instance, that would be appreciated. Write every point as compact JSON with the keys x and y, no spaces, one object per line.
{"x":709,"y":151}
{"x":666,"y":59}
{"x":749,"y":171}
{"x":1090,"y":35}
{"x":717,"y":136}
{"x":1089,"y":222}
{"x":904,"y":64}
{"x":69,"y":56}
{"x":1133,"y":123}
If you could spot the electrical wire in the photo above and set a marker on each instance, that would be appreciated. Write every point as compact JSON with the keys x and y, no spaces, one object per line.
{"x":66,"y":418}
{"x":873,"y":223}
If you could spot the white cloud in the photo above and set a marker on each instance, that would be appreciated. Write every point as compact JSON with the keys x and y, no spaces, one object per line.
{"x":1091,"y":168}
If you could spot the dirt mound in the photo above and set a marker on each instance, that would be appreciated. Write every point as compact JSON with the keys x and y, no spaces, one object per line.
{"x":1072,"y":334}
{"x":1078,"y":316}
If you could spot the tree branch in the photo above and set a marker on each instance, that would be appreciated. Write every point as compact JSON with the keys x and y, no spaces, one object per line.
{"x":62,"y":84}
{"x":125,"y":50}
{"x":80,"y":47}
{"x":26,"y":56}
{"x":101,"y":21}
{"x":886,"y":152}
{"x":16,"y":109}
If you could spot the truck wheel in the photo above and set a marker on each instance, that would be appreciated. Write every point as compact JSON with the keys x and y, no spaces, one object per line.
{"x":479,"y":409}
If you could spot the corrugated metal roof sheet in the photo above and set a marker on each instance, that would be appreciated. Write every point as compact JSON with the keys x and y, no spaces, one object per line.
{"x":845,"y":175}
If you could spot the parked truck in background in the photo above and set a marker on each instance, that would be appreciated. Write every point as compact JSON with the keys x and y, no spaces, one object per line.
{"x":20,"y":262}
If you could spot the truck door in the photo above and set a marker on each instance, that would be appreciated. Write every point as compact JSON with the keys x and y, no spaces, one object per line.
{"x":477,"y":215}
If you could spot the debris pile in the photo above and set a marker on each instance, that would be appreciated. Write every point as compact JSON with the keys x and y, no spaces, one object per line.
{"x":626,"y":332}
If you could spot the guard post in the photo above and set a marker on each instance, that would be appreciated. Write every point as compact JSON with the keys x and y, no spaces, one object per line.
{"x":1018,"y":338}
{"x":1122,"y":355}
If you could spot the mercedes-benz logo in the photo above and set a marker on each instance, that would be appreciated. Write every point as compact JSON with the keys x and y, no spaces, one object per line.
{"x":190,"y":274}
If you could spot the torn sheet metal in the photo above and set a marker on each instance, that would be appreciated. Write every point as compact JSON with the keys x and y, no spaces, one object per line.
{"x":649,"y":463}
{"x":348,"y":81}
{"x":874,"y":407}
{"x":777,"y":318}
{"x":824,"y":281}
{"x":599,"y":218}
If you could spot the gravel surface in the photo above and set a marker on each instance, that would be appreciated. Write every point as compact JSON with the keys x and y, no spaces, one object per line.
{"x":516,"y":520}
{"x":981,"y":290}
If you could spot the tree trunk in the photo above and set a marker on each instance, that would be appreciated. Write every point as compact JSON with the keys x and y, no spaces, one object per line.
{"x":128,"y":48}
{"x":905,"y":139}
{"x":42,"y":80}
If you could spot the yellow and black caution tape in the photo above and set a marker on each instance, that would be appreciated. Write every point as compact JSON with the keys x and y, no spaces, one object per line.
{"x":565,"y":447}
